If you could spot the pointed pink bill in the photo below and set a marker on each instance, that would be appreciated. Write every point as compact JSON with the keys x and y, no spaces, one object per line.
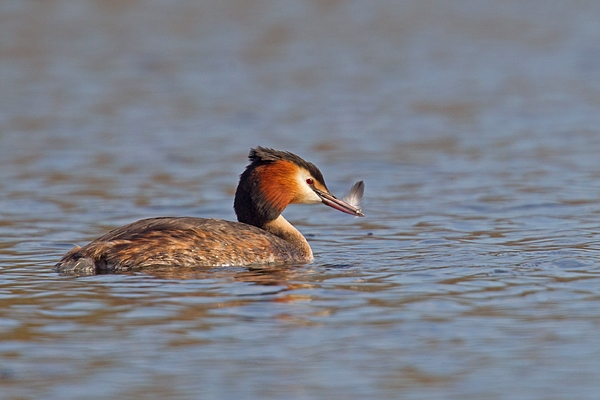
{"x":333,"y":202}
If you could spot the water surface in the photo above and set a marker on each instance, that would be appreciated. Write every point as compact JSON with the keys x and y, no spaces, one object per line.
{"x":475,"y":125}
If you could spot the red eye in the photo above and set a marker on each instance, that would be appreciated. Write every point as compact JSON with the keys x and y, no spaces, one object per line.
{"x":310,"y":181}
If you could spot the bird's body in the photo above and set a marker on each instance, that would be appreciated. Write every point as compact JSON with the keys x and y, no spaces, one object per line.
{"x":273,"y":180}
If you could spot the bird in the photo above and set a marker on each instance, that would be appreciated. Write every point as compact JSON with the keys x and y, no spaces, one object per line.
{"x":272,"y":180}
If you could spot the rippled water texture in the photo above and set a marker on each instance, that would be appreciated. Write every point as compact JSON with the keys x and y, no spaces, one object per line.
{"x":475,"y":125}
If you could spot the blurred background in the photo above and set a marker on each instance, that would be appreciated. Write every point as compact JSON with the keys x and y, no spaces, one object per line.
{"x":475,"y":125}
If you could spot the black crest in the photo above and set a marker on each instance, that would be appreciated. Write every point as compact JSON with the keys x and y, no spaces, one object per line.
{"x":261,"y":155}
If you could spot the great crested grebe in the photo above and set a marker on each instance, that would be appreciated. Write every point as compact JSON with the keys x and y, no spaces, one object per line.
{"x":271,"y":181}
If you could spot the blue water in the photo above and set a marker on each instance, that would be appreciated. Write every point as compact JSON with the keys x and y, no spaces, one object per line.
{"x":475,"y":125}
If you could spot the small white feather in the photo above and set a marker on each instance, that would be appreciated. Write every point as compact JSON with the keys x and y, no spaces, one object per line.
{"x":355,"y":195}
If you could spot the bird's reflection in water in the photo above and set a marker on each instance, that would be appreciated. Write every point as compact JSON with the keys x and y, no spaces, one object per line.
{"x":275,"y":278}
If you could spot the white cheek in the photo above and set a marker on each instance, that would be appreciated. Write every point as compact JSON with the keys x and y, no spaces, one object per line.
{"x":311,"y":197}
{"x":308,"y":195}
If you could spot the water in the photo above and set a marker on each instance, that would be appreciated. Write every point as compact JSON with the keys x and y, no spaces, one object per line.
{"x":476,"y":273}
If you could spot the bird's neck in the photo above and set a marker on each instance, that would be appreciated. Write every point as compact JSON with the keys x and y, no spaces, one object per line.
{"x":282,"y":228}
{"x":262,"y":209}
